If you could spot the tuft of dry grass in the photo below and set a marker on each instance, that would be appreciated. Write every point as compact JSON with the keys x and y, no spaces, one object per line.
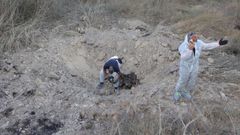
{"x":234,"y":47}
{"x":213,"y":18}
{"x":196,"y":118}
{"x":206,"y":25}
{"x":18,"y":23}
{"x":22,"y":22}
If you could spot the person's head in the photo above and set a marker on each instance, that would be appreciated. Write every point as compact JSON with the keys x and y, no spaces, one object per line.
{"x":110,"y":70}
{"x":120,"y":60}
{"x":192,"y":36}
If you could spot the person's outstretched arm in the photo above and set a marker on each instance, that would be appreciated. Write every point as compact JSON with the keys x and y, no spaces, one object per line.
{"x":209,"y":46}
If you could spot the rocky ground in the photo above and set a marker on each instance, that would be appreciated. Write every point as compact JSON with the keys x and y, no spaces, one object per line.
{"x":50,"y":90}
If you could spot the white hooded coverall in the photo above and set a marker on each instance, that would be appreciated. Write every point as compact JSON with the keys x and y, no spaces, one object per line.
{"x":189,"y":64}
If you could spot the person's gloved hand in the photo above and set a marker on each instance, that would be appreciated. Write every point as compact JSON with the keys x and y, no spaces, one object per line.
{"x":191,"y":46}
{"x":223,"y":42}
{"x":113,"y":78}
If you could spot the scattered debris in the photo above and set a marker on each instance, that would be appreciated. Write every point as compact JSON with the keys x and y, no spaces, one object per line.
{"x":7,"y":112}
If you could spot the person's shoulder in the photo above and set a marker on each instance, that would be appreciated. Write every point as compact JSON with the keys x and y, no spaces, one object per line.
{"x":112,"y":61}
{"x":114,"y":57}
{"x":199,"y":41}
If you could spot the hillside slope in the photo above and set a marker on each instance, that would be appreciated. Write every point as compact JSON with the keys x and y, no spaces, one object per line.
{"x":51,"y":90}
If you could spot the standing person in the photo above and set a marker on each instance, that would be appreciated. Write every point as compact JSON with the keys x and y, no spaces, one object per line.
{"x":111,"y":69}
{"x":190,"y":51}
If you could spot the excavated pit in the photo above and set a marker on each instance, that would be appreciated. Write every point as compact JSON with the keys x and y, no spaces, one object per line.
{"x":52,"y":90}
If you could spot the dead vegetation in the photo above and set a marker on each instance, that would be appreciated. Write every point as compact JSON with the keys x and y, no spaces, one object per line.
{"x":203,"y":116}
{"x":23,"y":21}
{"x":18,"y":23}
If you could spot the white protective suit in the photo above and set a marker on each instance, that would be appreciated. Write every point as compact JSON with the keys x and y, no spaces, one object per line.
{"x":189,"y":64}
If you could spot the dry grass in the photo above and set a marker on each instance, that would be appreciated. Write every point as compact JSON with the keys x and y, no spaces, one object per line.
{"x":199,"y":117}
{"x":211,"y":19}
{"x":234,"y":47}
{"x":214,"y":20}
{"x":206,"y":25}
{"x":208,"y":114}
{"x":21,"y":20}
{"x":18,"y":21}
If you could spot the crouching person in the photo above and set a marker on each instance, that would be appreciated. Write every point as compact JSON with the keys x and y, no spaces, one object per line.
{"x":111,"y":71}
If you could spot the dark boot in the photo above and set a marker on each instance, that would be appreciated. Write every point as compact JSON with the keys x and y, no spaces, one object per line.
{"x":100,"y":85}
{"x":117,"y":91}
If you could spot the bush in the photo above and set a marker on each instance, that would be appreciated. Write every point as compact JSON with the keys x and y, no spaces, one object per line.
{"x":234,"y":47}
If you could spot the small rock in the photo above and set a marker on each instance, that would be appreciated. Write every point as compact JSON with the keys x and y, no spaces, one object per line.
{"x":71,"y":33}
{"x":7,"y":112}
{"x":171,"y":58}
{"x":164,"y":44}
{"x":88,"y":124}
{"x":90,"y":42}
{"x":146,"y":34}
{"x":173,"y":47}
{"x":3,"y":94}
{"x":101,"y":56}
{"x":141,"y":28}
{"x":223,"y":96}
{"x":7,"y":68}
{"x":83,"y":40}
{"x":32,"y":113}
{"x":136,"y":63}
{"x":133,"y":37}
{"x":124,"y":50}
{"x":81,"y":30}
{"x":82,"y":116}
{"x":73,"y":75}
{"x":116,"y":116}
{"x":141,"y":44}
{"x":5,"y":125}
{"x":14,"y":94}
{"x":168,"y":93}
{"x":136,"y":24}
{"x":155,"y":57}
{"x":8,"y":62}
{"x":124,"y":104}
{"x":53,"y":76}
{"x":38,"y":81}
{"x":18,"y":70}
{"x":210,"y":60}
{"x":137,"y":44}
{"x":173,"y":69}
{"x":41,"y":45}
{"x":29,"y":93}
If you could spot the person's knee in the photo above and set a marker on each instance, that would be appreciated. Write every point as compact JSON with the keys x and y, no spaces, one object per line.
{"x":116,"y":84}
